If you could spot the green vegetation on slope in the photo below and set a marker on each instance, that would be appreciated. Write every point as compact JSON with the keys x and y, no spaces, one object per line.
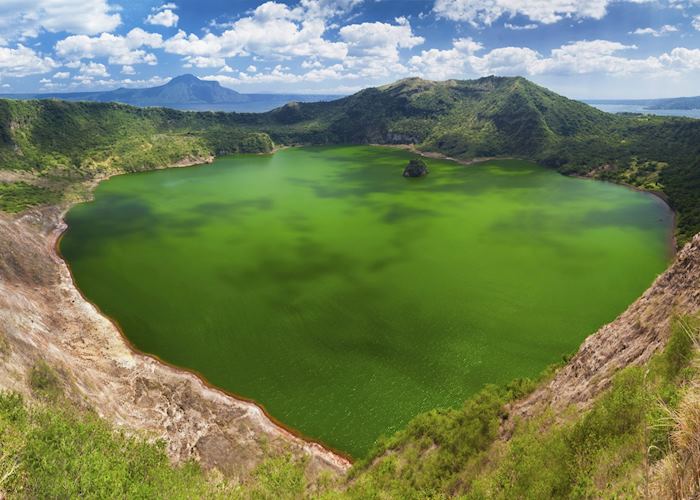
{"x":55,"y":451}
{"x":629,"y":443}
{"x":607,"y":451}
{"x":80,"y":139}
{"x":18,"y":196}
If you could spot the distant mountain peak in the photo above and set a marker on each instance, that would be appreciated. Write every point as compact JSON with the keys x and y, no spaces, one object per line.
{"x":190,"y":78}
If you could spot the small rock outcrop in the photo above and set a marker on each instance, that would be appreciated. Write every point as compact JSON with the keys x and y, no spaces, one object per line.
{"x":415,"y":168}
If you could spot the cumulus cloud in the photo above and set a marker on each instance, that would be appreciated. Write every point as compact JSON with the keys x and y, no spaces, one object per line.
{"x":23,"y":61}
{"x":61,"y":75}
{"x":93,"y":69}
{"x":124,"y":50}
{"x":280,"y":74}
{"x":379,"y":39}
{"x":663,"y":30}
{"x":485,"y":12}
{"x":272,"y":30}
{"x":27,"y":18}
{"x":164,"y":16}
{"x":328,"y":8}
{"x":603,"y":57}
{"x":439,"y":64}
{"x":696,"y":22}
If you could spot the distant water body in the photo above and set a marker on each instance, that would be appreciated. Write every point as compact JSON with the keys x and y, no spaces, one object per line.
{"x":637,"y":108}
{"x":347,"y":299}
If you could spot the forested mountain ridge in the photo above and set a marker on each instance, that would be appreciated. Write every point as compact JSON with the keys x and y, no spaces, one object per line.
{"x":488,"y":117}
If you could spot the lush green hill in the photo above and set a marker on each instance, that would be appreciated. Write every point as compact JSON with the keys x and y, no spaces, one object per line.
{"x":49,"y":136}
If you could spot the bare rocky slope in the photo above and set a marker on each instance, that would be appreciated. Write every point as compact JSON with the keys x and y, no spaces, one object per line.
{"x":43,"y":317}
{"x":631,"y":339}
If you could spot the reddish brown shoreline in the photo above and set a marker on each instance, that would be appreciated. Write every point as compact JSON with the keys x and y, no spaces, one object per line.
{"x":56,"y":250}
{"x":286,"y":428}
{"x":294,"y":432}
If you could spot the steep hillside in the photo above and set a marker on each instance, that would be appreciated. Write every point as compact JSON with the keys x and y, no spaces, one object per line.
{"x":76,"y":138}
{"x":486,"y":117}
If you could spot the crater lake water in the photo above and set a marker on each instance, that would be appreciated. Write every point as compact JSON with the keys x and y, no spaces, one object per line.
{"x":347,"y":299}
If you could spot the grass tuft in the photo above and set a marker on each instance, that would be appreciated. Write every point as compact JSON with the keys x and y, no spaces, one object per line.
{"x":45,"y":382}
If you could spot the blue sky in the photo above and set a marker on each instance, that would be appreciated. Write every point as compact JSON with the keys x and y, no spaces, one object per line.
{"x":580,"y":48}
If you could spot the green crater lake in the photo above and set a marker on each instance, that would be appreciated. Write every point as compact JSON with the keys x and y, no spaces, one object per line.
{"x":347,"y":299}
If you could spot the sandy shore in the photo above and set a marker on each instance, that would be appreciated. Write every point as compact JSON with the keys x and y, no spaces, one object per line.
{"x":43,"y":316}
{"x":432,"y":154}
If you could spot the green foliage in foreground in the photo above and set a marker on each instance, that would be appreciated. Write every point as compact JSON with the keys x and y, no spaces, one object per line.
{"x":56,"y":451}
{"x":602,"y":452}
{"x":52,"y":450}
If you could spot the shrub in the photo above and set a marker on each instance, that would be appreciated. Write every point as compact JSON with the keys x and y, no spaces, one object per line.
{"x":44,"y":381}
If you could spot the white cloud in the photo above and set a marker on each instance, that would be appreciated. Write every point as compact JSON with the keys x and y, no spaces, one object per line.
{"x":585,"y":57}
{"x":602,"y":57}
{"x":61,"y":75}
{"x":379,"y":39}
{"x":280,"y":74}
{"x":205,"y":62}
{"x":328,"y":8}
{"x":124,"y":50}
{"x":273,"y":30}
{"x":277,"y":32}
{"x":696,"y":22}
{"x":663,"y":30}
{"x":92,"y":69}
{"x":485,"y":12}
{"x":520,"y":27}
{"x":128,"y":70}
{"x":27,"y":18}
{"x":164,"y":16}
{"x":23,"y":61}
{"x":442,"y":64}
{"x":681,"y":59}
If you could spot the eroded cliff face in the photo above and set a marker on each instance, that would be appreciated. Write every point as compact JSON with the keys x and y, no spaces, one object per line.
{"x":631,"y":339}
{"x":44,"y":317}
